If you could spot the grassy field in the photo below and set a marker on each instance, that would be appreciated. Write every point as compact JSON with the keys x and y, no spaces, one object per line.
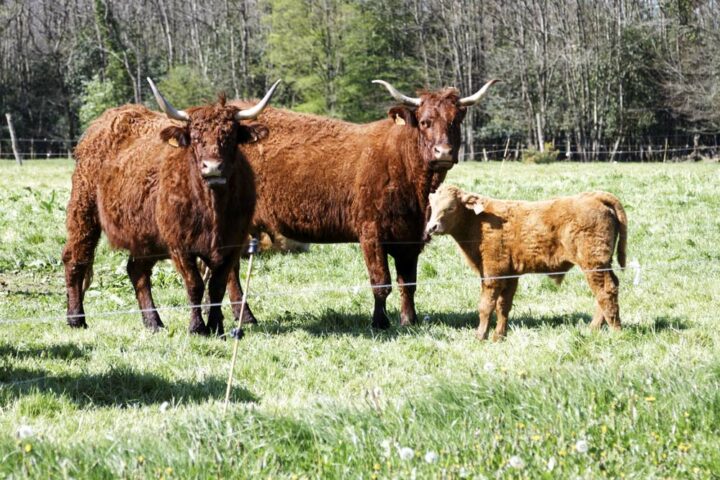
{"x":320,"y":394}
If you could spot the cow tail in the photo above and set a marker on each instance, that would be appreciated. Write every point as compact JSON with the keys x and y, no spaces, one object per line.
{"x":613,"y":202}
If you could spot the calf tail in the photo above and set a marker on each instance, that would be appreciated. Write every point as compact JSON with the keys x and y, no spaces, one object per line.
{"x":613,"y":202}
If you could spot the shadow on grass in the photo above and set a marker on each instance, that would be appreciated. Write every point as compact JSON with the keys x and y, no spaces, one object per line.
{"x":120,"y":387}
{"x":659,"y":324}
{"x":64,"y":351}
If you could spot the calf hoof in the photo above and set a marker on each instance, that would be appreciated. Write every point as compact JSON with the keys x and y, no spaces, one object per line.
{"x":380,"y":322}
{"x":77,"y":322}
{"x":248,"y":319}
{"x":153,"y":324}
{"x":482,"y":336}
{"x":199,"y":330}
{"x":498,"y":337}
{"x":407,"y":320}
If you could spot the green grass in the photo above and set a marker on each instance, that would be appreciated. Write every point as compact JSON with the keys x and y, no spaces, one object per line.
{"x":320,"y":394}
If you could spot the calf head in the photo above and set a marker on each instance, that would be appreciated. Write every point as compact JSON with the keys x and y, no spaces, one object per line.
{"x":211,"y":133}
{"x":448,"y":207}
{"x":437,"y":116}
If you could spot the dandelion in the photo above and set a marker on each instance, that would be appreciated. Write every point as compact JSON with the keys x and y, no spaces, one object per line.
{"x":562,"y":453}
{"x":516,"y":462}
{"x":581,"y":446}
{"x":24,"y":431}
{"x":536,"y":438}
{"x":650,"y":399}
{"x":551,"y":464}
{"x":169,"y":471}
{"x":406,"y":453}
{"x":684,"y":447}
{"x":28,"y":448}
{"x":431,"y":457}
{"x":141,"y":459}
{"x":164,"y":406}
{"x":376,"y":467}
{"x":603,"y":429}
{"x":520,"y":425}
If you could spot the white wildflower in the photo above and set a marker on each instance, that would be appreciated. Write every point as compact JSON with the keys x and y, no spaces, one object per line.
{"x":385,"y":445}
{"x":406,"y":453}
{"x":551,"y":464}
{"x":516,"y":462}
{"x":164,"y":406}
{"x":24,"y":431}
{"x":431,"y":457}
{"x":582,"y":446}
{"x":489,"y":366}
{"x":463,"y":473}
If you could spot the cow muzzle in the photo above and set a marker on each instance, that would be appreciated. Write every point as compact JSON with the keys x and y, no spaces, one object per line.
{"x":212,"y":172}
{"x":432,"y":229}
{"x":442,"y":157}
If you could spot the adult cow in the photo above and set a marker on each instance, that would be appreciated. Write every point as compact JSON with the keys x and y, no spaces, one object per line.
{"x":160,"y":189}
{"x":323,"y":180}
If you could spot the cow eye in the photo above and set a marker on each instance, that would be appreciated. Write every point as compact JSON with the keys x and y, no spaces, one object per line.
{"x":425,"y":123}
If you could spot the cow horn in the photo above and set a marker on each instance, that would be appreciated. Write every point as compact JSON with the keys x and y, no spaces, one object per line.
{"x":253,"y":112}
{"x":473,"y":99}
{"x":412,"y":101}
{"x":166,"y":106}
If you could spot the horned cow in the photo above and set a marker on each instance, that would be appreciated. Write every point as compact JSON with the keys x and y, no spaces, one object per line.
{"x":160,"y":189}
{"x":323,"y":180}
{"x":503,"y":239}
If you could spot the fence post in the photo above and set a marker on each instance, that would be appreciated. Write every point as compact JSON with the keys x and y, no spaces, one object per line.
{"x":507,"y":145}
{"x":13,"y":140}
{"x":665,"y":152}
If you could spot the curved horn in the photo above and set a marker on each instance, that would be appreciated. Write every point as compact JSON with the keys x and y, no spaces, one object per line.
{"x":412,"y":101}
{"x":166,"y":106}
{"x":473,"y":99}
{"x":253,"y":112}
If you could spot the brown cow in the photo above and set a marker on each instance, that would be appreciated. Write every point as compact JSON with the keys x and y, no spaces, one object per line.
{"x":332,"y":181}
{"x":502,"y":238}
{"x":159,"y":189}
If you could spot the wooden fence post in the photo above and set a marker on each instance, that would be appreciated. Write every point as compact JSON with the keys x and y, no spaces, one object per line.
{"x":13,"y":140}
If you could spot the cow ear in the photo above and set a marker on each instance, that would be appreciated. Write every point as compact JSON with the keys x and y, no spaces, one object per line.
{"x":403,"y":116}
{"x":472,"y":202}
{"x":252,"y":133}
{"x":175,"y":136}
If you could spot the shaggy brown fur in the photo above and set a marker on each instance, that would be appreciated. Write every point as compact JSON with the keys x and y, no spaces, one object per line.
{"x":505,"y":238}
{"x":323,"y":180}
{"x":142,"y":180}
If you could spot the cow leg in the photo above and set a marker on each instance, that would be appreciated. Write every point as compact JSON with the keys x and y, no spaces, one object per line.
{"x":488,"y":299}
{"x":503,"y":306}
{"x":605,"y":287}
{"x":235,"y":293}
{"x":140,"y":272}
{"x":377,"y":265}
{"x":187,"y":266}
{"x":83,"y":234}
{"x":216,"y":292}
{"x":406,"y":267}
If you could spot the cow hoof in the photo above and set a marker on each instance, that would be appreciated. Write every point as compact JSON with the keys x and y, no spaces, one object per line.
{"x":381,"y":324}
{"x":199,"y":330}
{"x":481,"y":336}
{"x":77,"y":323}
{"x":408,"y":320}
{"x":498,"y":337}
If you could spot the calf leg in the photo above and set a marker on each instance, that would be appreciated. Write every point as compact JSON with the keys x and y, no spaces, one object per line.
{"x":502,"y":308}
{"x":187,"y":266}
{"x":140,"y":272}
{"x":377,"y":265}
{"x":83,"y":233}
{"x":235,"y":292}
{"x":406,"y":267}
{"x":488,"y":299}
{"x":605,"y":287}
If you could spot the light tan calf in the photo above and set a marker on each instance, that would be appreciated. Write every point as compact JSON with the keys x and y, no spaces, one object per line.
{"x":505,"y":238}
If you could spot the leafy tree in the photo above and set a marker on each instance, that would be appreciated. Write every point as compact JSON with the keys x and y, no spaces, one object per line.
{"x":185,"y":87}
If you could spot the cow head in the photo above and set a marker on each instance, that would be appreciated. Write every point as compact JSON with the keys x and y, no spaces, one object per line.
{"x":212,"y":133}
{"x":437,"y":116}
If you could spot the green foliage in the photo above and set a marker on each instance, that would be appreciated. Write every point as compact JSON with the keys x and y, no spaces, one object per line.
{"x":98,"y":95}
{"x":185,"y":87}
{"x":533,"y":155}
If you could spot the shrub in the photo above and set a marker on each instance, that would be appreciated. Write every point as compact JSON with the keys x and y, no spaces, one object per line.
{"x":532,"y":155}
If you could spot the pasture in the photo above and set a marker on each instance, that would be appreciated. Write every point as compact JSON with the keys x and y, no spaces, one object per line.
{"x":318,"y":393}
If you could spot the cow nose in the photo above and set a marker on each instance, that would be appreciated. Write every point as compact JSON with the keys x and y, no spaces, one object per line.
{"x":211,"y":168}
{"x":442,"y":152}
{"x":431,"y":228}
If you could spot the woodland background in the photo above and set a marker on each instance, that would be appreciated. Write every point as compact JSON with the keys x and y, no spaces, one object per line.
{"x":587,"y":80}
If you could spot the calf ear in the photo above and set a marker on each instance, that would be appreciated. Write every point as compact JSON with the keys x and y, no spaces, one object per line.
{"x":175,"y":136}
{"x":472,"y":202}
{"x":403,"y":116}
{"x":252,"y":133}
